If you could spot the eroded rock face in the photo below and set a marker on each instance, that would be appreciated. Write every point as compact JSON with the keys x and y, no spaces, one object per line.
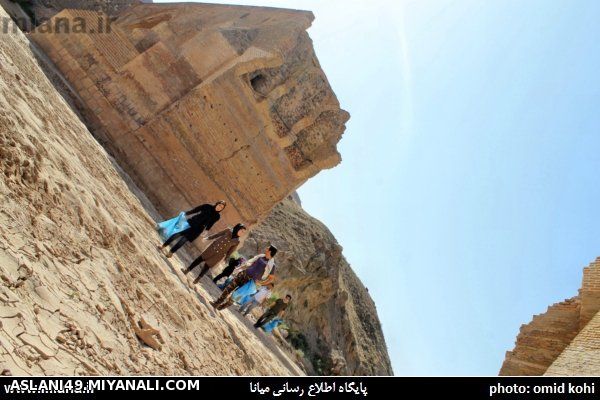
{"x":203,"y":102}
{"x":331,"y":308}
{"x":551,"y":342}
{"x":83,"y":290}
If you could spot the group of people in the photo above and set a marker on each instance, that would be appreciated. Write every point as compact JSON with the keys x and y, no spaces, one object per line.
{"x":250,"y":282}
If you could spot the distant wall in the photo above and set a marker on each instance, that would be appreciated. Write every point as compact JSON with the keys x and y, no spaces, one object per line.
{"x":553,"y":342}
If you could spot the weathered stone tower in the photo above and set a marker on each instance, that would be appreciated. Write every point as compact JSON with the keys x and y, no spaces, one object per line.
{"x":202,"y":102}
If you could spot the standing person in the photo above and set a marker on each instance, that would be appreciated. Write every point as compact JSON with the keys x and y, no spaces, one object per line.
{"x":202,"y":218}
{"x":260,"y":269}
{"x":233,"y":263}
{"x":277,"y":310}
{"x":225,"y":243}
{"x":257,"y":299}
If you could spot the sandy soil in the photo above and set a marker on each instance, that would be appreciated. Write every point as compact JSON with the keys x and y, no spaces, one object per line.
{"x":81,"y":278}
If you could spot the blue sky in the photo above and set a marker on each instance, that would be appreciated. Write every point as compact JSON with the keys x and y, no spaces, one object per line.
{"x":467,"y":200}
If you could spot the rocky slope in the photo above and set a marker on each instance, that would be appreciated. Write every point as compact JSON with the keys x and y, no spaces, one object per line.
{"x":83,"y":289}
{"x":333,"y":319}
{"x":563,"y":340}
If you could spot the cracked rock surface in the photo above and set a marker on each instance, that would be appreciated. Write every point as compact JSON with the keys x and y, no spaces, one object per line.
{"x":83,"y":290}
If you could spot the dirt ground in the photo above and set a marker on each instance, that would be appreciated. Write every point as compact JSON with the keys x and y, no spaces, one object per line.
{"x":83,"y":289}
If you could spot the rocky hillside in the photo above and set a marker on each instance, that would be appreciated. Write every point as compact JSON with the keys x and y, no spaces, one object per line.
{"x":83,"y":289}
{"x":249,"y":118}
{"x":333,"y":318}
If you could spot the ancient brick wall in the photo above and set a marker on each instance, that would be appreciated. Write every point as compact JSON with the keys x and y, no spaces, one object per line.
{"x":553,"y":342}
{"x":204,"y":102}
{"x":582,"y":356}
{"x":543,"y":339}
{"x":590,"y":292}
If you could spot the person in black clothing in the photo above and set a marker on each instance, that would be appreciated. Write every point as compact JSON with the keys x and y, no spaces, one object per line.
{"x":202,"y":218}
{"x":231,"y":266}
{"x":277,"y":310}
